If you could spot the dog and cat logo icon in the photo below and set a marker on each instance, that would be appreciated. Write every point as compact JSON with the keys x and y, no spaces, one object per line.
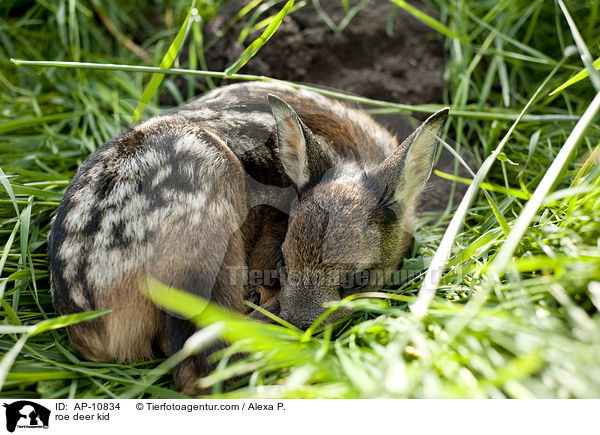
{"x":25,"y":414}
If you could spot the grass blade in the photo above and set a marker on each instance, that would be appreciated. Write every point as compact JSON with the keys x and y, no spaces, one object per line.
{"x":586,"y":57}
{"x":426,"y":19}
{"x":436,"y":267}
{"x":389,"y":106}
{"x":8,"y":359}
{"x":505,"y":253}
{"x":576,"y":78}
{"x":257,"y":44}
{"x":166,"y":63}
{"x":20,"y":123}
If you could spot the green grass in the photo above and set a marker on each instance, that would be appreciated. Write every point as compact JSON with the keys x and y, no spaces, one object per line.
{"x":516,"y":274}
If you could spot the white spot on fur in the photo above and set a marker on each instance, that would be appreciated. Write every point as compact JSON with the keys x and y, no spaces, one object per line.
{"x":133,"y":168}
{"x":120,"y":194}
{"x":70,"y":251}
{"x":207,"y":158}
{"x":162,"y":174}
{"x":119,"y":262}
{"x":78,"y":217}
{"x":79,"y":298}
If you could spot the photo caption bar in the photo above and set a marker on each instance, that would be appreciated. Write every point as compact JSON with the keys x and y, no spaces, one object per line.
{"x":262,"y":416}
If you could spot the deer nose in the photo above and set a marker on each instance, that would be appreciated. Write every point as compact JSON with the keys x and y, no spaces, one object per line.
{"x":291,"y":318}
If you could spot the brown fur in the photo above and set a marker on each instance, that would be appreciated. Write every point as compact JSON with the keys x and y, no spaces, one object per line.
{"x":134,"y":313}
{"x":103,"y":339}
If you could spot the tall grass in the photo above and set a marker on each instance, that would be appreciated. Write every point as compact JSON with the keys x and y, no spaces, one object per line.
{"x":510,"y":305}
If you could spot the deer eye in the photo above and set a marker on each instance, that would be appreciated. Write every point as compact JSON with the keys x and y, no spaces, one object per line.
{"x":354,"y":282}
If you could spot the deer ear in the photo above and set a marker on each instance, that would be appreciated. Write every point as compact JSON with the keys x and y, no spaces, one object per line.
{"x":301,"y":154}
{"x":405,"y":171}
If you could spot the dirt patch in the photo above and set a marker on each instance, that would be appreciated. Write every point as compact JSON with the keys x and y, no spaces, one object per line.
{"x":404,"y":67}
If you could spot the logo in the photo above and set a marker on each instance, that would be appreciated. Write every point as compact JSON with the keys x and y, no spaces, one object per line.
{"x":25,"y":414}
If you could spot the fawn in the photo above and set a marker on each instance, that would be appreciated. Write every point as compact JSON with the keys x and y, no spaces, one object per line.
{"x":248,"y":177}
